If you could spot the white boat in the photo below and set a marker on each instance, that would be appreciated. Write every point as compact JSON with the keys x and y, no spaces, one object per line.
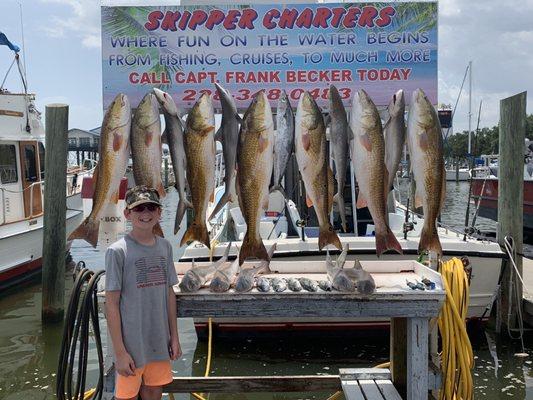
{"x":21,"y":189}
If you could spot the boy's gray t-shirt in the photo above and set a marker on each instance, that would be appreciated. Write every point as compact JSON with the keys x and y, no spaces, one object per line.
{"x":143,"y":274}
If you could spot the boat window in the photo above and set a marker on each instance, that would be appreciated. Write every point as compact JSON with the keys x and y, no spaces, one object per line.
{"x":30,"y":165}
{"x":8,"y":163}
{"x":41,"y":158}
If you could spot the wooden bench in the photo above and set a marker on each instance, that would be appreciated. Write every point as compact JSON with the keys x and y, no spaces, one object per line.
{"x":367,"y":384}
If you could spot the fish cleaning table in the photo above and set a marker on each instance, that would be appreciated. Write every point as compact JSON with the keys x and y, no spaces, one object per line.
{"x":392,"y":299}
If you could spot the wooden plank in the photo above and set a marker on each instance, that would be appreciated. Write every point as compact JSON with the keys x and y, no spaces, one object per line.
{"x":370,"y":389}
{"x":388,"y":390}
{"x":364,"y":373}
{"x":307,"y":305}
{"x":241,"y":384}
{"x":351,"y":390}
{"x":417,"y":359}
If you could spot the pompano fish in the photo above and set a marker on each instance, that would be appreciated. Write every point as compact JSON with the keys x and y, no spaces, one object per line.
{"x":309,"y":284}
{"x":363,"y":280}
{"x":325,"y":285}
{"x":368,"y":159}
{"x":294,"y":285}
{"x":394,"y":134}
{"x":312,"y":157}
{"x":245,"y":279}
{"x":224,"y":277}
{"x":340,"y":135}
{"x":199,"y":141}
{"x":254,"y":170}
{"x":284,"y":140}
{"x":427,"y":162}
{"x":146,"y":151}
{"x":174,"y":137}
{"x":228,"y":134}
{"x":263,"y":284}
{"x":114,"y":153}
{"x":279,"y":284}
{"x":197,"y":276}
{"x":336,"y":275}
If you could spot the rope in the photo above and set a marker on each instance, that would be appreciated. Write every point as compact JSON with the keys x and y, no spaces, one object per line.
{"x":457,"y":359}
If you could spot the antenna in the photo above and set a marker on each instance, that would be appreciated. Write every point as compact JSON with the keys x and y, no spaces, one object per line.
{"x":23,"y":48}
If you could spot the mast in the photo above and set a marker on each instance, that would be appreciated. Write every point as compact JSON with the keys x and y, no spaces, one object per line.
{"x":470,"y":108}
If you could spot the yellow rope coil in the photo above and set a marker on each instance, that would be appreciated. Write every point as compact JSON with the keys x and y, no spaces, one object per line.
{"x":457,"y":359}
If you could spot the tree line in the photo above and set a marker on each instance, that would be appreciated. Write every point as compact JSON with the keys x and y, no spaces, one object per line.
{"x":484,"y":141}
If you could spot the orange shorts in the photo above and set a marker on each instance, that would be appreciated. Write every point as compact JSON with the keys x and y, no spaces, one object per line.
{"x":157,"y":373}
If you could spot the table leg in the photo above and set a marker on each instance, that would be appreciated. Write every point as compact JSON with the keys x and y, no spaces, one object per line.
{"x":417,"y":358}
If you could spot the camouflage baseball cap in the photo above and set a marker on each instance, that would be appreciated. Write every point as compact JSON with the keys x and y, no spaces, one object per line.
{"x":141,"y":195}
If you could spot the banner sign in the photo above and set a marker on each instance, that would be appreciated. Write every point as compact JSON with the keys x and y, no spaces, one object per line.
{"x":378,"y":47}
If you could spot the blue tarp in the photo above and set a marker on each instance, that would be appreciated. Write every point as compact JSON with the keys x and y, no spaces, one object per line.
{"x":5,"y":41}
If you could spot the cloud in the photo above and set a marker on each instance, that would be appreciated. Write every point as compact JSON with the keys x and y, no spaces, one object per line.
{"x":80,"y":18}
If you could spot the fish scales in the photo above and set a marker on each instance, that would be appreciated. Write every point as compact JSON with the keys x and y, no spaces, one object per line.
{"x":114,"y":150}
{"x":427,"y":161}
{"x":311,"y":155}
{"x":254,"y":170}
{"x":199,"y":144}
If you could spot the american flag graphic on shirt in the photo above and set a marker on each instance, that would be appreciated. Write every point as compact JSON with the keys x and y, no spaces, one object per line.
{"x":151,"y":271}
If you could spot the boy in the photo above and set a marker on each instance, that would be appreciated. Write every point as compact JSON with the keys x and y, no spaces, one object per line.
{"x":140,"y":302}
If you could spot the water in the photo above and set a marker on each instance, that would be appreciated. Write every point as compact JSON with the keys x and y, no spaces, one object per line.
{"x":28,"y":353}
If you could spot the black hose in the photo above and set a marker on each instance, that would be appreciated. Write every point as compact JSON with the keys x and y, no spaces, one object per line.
{"x":82,"y":313}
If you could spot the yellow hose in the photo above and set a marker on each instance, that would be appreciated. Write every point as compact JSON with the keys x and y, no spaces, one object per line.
{"x":457,"y":359}
{"x":209,"y":352}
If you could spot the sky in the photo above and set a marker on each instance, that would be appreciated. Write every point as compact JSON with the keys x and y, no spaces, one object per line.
{"x":63,"y":54}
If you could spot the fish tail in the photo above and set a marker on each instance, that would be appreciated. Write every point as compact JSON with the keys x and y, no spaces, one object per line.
{"x":279,"y":189}
{"x":88,"y":231}
{"x":429,"y":240}
{"x":252,"y":247}
{"x":328,"y":236}
{"x":339,"y":199}
{"x":157,"y":230}
{"x":221,"y":203}
{"x":196,"y":232}
{"x":183,"y":204}
{"x":387,"y":241}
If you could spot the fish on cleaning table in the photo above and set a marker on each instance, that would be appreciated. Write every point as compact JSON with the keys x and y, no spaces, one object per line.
{"x":199,"y":141}
{"x":309,"y":284}
{"x":114,"y":153}
{"x":228,"y":134}
{"x":174,"y":128}
{"x":263,"y":284}
{"x":294,"y":285}
{"x":363,"y":280}
{"x":278,"y":284}
{"x":224,"y":277}
{"x":245,"y":279}
{"x":312,"y":157}
{"x":254,"y":171}
{"x":284,"y":140}
{"x":424,"y":138}
{"x":368,"y":152}
{"x":196,"y":277}
{"x":340,"y":136}
{"x":336,"y":275}
{"x":325,"y":285}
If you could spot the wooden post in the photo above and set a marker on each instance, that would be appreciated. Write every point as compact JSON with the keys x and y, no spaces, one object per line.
{"x":77,"y":157}
{"x":457,"y":170}
{"x":398,"y":354}
{"x":54,"y":231}
{"x":511,"y":189}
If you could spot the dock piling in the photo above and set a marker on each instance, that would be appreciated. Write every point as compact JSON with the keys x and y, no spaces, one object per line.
{"x":511,"y":190}
{"x":54,"y":230}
